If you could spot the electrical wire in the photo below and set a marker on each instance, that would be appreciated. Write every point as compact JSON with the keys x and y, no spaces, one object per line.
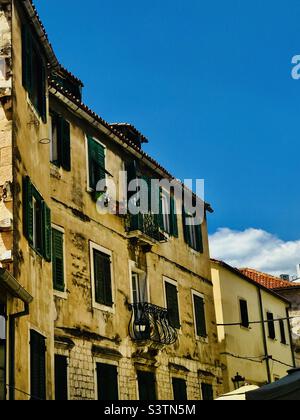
{"x":234,"y":324}
{"x":21,"y":392}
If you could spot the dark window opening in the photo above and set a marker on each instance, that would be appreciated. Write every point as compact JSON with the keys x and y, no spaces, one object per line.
{"x":207,"y":392}
{"x":37,"y":366}
{"x":3,"y":339}
{"x":58,"y":260}
{"x":179,"y":389}
{"x":147,"y":386}
{"x":244,"y":313}
{"x":282,"y":332}
{"x":172,"y":305}
{"x":61,"y":378}
{"x":199,"y":307}
{"x":107,"y":379}
{"x":60,"y":142}
{"x":271,"y":326}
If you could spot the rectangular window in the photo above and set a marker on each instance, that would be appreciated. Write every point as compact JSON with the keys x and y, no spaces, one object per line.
{"x":102,"y":277}
{"x":107,"y":380}
{"x":61,"y":378}
{"x":168,"y":214}
{"x":271,"y":326}
{"x":34,"y":72}
{"x":37,"y":366}
{"x":147,"y":386}
{"x":60,"y":142}
{"x":282,"y":332}
{"x":172,"y":304}
{"x":58,"y":260}
{"x":96,"y":158}
{"x":179,"y":389}
{"x":244,"y":313}
{"x":139,"y":288}
{"x":207,"y":392}
{"x":36,"y":220}
{"x":192,"y":233}
{"x":2,"y":352}
{"x":200,"y":319}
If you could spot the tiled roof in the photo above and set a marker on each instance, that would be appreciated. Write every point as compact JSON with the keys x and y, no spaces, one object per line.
{"x":266,"y":280}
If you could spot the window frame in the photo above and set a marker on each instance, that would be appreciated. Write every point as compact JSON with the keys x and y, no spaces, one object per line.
{"x":112,"y":309}
{"x":268,"y":324}
{"x":134,"y":270}
{"x":32,"y":329}
{"x":89,"y":188}
{"x":203,"y":339}
{"x":240,"y":300}
{"x":176,"y":284}
{"x":68,"y":374}
{"x":283,"y":334}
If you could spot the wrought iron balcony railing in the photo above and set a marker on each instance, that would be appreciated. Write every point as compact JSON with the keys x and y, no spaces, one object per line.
{"x":151,"y":323}
{"x":146,"y":224}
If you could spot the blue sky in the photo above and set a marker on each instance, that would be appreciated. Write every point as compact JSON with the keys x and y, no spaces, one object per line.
{"x":209,"y":83}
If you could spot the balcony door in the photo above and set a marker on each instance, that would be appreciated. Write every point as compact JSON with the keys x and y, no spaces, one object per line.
{"x":2,"y":352}
{"x":139,"y":288}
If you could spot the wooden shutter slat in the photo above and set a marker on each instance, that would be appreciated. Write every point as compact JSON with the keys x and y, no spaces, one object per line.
{"x":200,"y":316}
{"x":174,"y":223}
{"x":37,"y":366}
{"x":199,"y":238}
{"x":172,"y":305}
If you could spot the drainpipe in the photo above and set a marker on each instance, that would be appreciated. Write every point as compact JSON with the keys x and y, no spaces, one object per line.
{"x":12,"y":342}
{"x":264,"y":336}
{"x":291,"y":338}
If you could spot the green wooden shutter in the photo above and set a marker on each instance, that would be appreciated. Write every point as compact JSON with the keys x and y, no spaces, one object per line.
{"x":200,"y":316}
{"x":65,"y":142}
{"x":27,"y":58}
{"x":282,"y":332}
{"x":58,"y":260}
{"x":147,"y":386}
{"x":61,"y":378}
{"x":97,"y":169}
{"x":174,"y":224}
{"x":102,"y":278}
{"x":179,"y":389}
{"x":172,"y":305}
{"x":46,"y":232}
{"x":186,"y":228}
{"x":199,"y":238}
{"x":28,"y":209}
{"x":37,"y":366}
{"x":160,"y":215}
{"x":107,"y":379}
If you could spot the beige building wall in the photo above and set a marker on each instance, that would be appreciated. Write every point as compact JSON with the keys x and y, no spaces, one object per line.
{"x":71,"y":323}
{"x":242,"y":349}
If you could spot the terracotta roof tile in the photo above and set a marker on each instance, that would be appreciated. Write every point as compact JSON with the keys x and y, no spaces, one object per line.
{"x":267,"y":280}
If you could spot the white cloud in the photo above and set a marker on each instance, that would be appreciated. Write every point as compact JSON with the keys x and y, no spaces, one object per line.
{"x":255,"y":248}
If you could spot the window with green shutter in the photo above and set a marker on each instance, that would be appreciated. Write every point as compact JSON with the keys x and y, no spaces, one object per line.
{"x":60,"y":142}
{"x":61,"y":378}
{"x":192,"y":233}
{"x":36,"y":220}
{"x":37,"y":366}
{"x":102,"y":278}
{"x":34,"y":72}
{"x":58,"y":260}
{"x":168,"y":214}
{"x":107,"y":381}
{"x":200,"y":319}
{"x":96,"y":155}
{"x":179,"y":389}
{"x":271,"y":326}
{"x":172,"y":305}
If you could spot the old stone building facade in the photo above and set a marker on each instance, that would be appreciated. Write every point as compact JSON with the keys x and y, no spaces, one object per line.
{"x":93,"y":305}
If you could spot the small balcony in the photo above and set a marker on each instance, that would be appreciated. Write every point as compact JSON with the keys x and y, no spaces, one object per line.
{"x":145,"y":228}
{"x":150,"y":323}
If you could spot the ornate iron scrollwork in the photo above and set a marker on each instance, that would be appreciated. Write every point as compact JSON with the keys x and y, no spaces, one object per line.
{"x":151,"y":323}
